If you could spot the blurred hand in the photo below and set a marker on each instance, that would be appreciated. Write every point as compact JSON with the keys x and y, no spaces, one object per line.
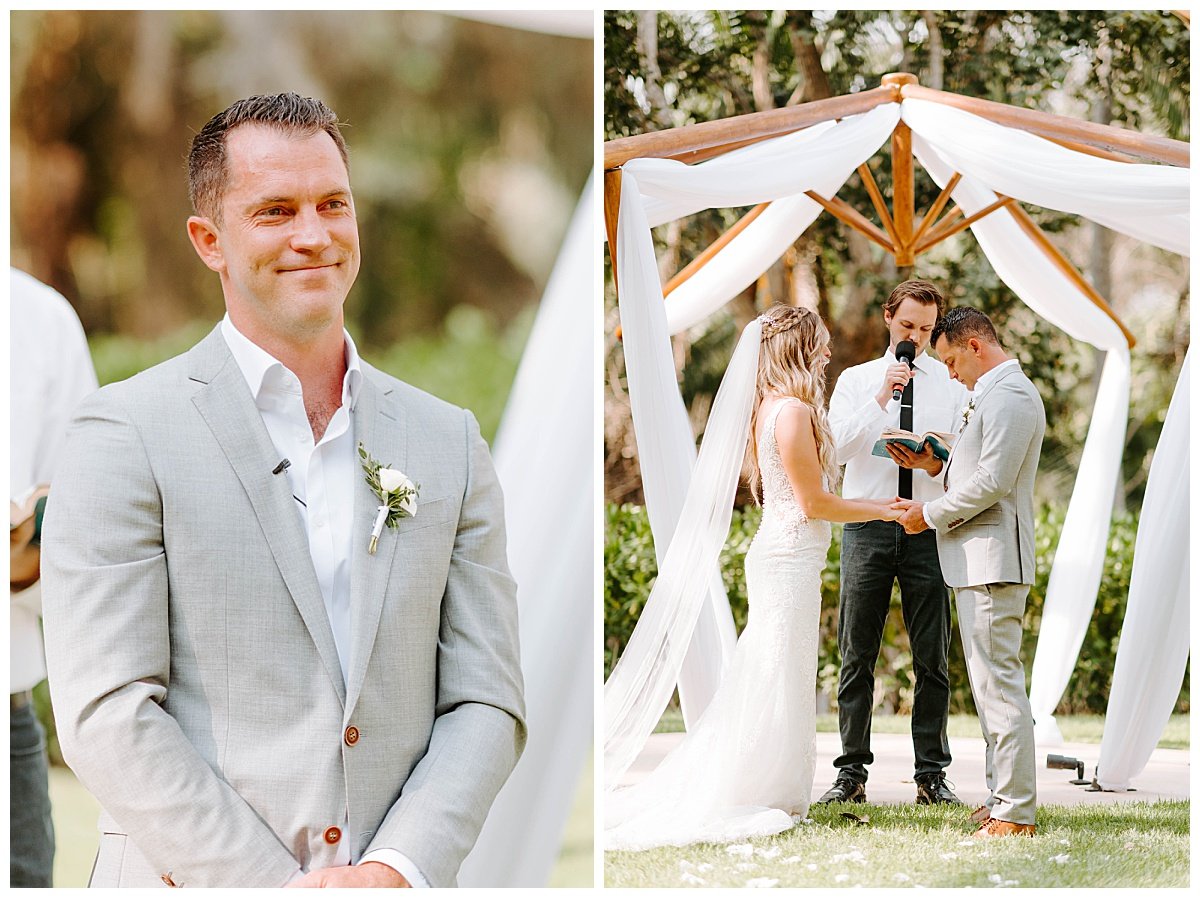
{"x":913,"y":517}
{"x":896,"y":377}
{"x":924,"y":460}
{"x":371,"y":875}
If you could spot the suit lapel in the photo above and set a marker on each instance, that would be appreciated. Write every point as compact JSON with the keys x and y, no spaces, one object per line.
{"x":977,"y":401}
{"x":380,"y":425}
{"x":229,"y":410}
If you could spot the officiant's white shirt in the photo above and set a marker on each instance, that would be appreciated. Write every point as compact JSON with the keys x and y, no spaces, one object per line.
{"x":856,"y":420}
{"x":322,"y":479}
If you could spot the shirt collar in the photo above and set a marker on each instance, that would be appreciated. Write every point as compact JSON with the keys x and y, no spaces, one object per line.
{"x":986,"y":379}
{"x":263,"y":371}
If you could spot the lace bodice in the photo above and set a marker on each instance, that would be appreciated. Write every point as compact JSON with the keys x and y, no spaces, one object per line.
{"x":780,"y":508}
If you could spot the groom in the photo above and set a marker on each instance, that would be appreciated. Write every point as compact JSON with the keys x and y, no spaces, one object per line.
{"x":984,"y":525}
{"x":252,"y":696}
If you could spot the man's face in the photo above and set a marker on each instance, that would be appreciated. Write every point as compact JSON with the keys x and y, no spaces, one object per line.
{"x":913,"y":321}
{"x":287,"y":247}
{"x":962,"y":360}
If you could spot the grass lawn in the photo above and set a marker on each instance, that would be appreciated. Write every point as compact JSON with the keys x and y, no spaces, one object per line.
{"x":1134,"y":844}
{"x":1082,"y":728}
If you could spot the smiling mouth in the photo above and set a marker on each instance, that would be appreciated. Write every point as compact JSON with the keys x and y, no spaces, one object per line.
{"x":311,"y":267}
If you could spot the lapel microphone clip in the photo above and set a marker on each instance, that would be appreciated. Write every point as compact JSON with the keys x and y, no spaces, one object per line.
{"x":282,"y":466}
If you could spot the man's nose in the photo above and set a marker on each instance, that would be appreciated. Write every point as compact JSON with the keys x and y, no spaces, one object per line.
{"x":310,"y":232}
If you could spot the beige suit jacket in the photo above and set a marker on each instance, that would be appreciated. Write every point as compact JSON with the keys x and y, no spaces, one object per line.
{"x":195,"y":682}
{"x":984,"y":522}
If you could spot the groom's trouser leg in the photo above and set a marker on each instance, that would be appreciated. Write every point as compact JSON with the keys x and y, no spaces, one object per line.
{"x":925,"y":603}
{"x":990,"y":618}
{"x":869,"y":553}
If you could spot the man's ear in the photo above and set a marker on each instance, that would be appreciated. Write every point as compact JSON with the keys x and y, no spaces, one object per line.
{"x":206,"y":240}
{"x":975,"y":345}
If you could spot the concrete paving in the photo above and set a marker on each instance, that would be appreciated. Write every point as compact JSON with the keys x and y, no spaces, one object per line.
{"x":1167,"y":775}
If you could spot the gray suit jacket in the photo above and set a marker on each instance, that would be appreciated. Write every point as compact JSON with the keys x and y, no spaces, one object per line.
{"x":195,"y":681}
{"x":985,"y":520}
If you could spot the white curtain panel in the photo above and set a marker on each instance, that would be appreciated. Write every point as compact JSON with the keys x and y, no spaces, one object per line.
{"x":1079,"y":558}
{"x":1152,"y":656}
{"x":818,"y":158}
{"x":640,"y":685}
{"x":1149,"y":202}
{"x":545,"y":451}
{"x":666,"y":445}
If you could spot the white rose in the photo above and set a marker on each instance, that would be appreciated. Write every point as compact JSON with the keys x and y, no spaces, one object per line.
{"x":391,"y":480}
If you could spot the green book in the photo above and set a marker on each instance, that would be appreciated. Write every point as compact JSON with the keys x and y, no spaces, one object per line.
{"x":941,"y":442}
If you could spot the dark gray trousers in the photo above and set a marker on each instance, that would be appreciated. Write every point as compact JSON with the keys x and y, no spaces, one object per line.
{"x":874,"y":555}
{"x":31,"y":832}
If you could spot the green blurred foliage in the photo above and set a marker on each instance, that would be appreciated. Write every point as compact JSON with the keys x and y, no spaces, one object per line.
{"x":469,"y":145}
{"x":630,"y":569}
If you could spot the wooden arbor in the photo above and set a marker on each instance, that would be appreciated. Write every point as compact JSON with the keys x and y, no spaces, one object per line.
{"x":695,"y":143}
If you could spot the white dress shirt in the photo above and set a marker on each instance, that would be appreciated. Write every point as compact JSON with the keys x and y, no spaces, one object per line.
{"x":50,"y":371}
{"x":322,"y":478}
{"x":857,"y":420}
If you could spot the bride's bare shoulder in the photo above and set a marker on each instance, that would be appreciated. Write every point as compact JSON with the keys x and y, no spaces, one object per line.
{"x":794,"y":421}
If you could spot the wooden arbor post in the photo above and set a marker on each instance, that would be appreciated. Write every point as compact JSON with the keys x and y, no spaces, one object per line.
{"x":902,"y":178}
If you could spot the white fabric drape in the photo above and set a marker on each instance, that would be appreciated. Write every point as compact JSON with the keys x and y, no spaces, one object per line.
{"x":544,"y":452}
{"x":639,"y":687}
{"x":1152,"y":656}
{"x":666,"y":446}
{"x":819,"y":158}
{"x":1148,"y":202}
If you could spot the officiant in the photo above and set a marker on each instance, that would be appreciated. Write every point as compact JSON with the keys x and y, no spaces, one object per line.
{"x":876,"y":554}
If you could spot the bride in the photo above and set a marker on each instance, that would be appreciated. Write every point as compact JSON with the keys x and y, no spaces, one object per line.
{"x":746,"y":767}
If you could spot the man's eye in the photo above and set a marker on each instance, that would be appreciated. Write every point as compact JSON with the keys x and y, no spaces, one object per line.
{"x":273,"y":212}
{"x":337,"y":204}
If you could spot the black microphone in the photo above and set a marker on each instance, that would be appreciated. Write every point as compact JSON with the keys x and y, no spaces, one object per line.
{"x":282,"y":466}
{"x":906,"y":351}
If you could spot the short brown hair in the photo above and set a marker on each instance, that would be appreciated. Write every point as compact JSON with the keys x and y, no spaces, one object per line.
{"x":961,"y":324}
{"x":208,"y":169}
{"x":922,"y":291}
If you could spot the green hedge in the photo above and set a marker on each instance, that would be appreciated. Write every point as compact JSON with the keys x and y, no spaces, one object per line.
{"x":630,"y":569}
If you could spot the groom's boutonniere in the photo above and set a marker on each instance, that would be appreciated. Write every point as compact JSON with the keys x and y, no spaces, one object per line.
{"x":396,"y":492}
{"x":966,"y":415}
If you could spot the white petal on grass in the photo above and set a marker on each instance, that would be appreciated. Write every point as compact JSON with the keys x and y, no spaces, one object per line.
{"x":902,"y":877}
{"x":768,"y":853}
{"x":841,"y":877}
{"x":794,"y":859}
{"x":1061,"y":858}
{"x":949,"y":856}
{"x":743,"y":850}
{"x":746,"y":868}
{"x":810,"y":866}
{"x":761,"y":883}
{"x":691,"y":879}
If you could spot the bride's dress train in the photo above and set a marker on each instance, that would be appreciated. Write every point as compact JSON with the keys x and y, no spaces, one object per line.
{"x":747,"y":765}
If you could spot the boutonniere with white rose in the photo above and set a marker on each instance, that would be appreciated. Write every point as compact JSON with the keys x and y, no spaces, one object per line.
{"x":966,"y":415}
{"x":397,"y":495}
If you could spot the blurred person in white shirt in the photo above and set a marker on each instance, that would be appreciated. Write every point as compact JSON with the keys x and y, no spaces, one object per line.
{"x":50,"y":372}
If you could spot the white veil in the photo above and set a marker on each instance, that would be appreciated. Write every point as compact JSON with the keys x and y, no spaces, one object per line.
{"x":638,"y":689}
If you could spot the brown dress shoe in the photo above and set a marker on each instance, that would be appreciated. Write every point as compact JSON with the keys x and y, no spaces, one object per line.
{"x":981,"y":814}
{"x":996,"y":827}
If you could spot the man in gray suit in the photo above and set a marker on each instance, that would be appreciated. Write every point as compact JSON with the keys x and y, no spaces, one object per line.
{"x":255,"y":693}
{"x":984,"y":527}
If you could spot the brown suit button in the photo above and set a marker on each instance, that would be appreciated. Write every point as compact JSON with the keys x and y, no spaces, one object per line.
{"x":351,"y":735}
{"x":333,"y":835}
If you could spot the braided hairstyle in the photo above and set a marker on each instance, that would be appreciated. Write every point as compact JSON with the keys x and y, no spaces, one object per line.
{"x":791,"y":362}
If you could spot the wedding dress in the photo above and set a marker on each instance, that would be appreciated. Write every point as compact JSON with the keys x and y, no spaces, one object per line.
{"x":746,"y":768}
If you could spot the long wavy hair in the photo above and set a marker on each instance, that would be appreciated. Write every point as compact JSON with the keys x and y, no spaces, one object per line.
{"x":791,"y":362}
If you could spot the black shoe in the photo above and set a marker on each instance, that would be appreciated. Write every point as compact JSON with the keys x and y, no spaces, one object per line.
{"x":932,"y":789}
{"x":845,"y":789}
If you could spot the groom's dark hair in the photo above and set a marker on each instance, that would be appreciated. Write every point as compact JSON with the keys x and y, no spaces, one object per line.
{"x":961,"y":324}
{"x":208,"y":162}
